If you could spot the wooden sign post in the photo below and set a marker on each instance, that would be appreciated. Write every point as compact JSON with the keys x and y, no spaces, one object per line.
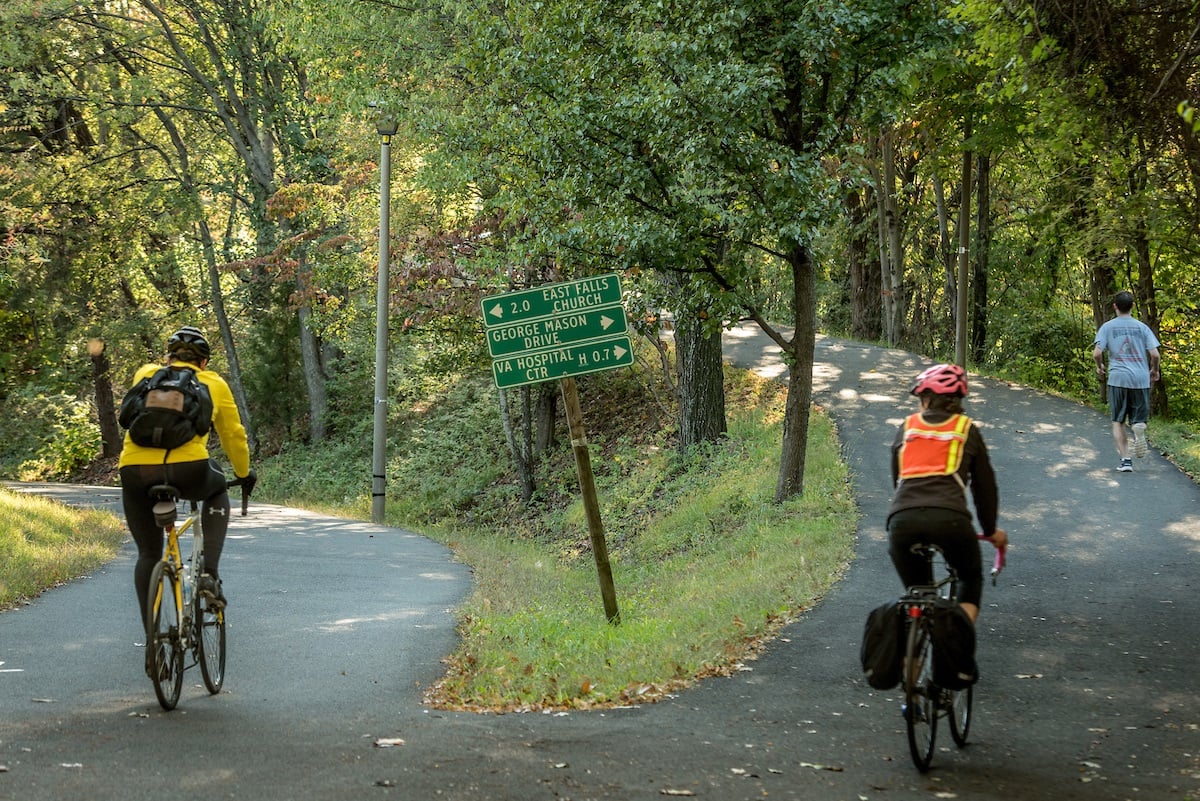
{"x":559,"y":331}
{"x":591,"y":506}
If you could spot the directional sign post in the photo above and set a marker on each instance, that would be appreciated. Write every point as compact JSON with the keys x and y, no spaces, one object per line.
{"x":550,"y":300}
{"x":559,"y":331}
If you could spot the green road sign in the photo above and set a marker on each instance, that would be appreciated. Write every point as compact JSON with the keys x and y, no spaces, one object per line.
{"x":551,"y":299}
{"x":547,"y":365}
{"x":556,"y":332}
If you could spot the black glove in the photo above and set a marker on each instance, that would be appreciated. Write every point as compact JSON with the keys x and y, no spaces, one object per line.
{"x":248,"y":482}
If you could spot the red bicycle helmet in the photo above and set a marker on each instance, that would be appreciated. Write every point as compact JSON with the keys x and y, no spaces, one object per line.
{"x":942,"y":379}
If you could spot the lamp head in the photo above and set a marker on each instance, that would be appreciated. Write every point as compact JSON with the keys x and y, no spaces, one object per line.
{"x":386,"y":121}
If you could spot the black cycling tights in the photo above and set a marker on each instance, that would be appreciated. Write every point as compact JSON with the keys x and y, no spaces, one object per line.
{"x":949,"y":530}
{"x":201,"y":481}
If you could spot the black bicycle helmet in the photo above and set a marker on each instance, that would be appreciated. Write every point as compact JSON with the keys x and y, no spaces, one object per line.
{"x":188,"y":341}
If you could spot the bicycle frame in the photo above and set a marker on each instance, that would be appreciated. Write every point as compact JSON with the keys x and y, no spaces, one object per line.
{"x":173,"y":556}
{"x":192,"y":632}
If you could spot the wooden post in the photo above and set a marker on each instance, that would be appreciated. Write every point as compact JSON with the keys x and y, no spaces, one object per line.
{"x":587,"y":485}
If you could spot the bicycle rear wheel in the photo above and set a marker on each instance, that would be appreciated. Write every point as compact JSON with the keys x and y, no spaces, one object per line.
{"x":164,"y":648}
{"x":920,"y":695}
{"x":210,"y":642}
{"x":960,"y":715}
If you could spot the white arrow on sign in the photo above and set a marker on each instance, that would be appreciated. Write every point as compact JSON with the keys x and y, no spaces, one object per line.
{"x":497,"y":311}
{"x":618,"y":351}
{"x":605,"y":322}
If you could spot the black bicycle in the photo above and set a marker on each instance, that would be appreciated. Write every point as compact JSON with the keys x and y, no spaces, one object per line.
{"x":181,"y":621}
{"x":924,"y":700}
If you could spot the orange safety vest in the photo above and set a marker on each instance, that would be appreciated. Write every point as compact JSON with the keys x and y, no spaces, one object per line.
{"x":933,"y":449}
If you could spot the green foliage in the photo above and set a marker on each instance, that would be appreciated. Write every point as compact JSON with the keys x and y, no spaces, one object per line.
{"x":47,"y":435}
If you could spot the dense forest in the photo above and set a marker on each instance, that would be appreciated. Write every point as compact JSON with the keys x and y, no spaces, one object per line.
{"x":968,"y":179}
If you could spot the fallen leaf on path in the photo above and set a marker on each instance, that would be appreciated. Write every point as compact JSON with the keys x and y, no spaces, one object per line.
{"x":833,"y":768}
{"x":388,"y":742}
{"x":668,"y":791}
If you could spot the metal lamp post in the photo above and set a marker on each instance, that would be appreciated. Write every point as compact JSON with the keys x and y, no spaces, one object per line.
{"x":386,"y":124}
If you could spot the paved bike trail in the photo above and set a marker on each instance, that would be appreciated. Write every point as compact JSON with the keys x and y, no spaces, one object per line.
{"x":1088,"y":652}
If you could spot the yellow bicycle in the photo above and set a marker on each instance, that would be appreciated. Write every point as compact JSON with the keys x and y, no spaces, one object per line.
{"x":182,"y":622}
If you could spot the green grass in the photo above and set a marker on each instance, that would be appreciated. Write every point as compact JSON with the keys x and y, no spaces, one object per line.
{"x":1179,"y":442}
{"x":706,"y":567}
{"x":43,"y":544}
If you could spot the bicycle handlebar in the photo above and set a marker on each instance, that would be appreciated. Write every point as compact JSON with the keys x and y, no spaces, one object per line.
{"x":1000,"y":560}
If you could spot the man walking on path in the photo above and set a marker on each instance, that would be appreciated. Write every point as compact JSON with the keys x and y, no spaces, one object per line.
{"x":1132,"y":368}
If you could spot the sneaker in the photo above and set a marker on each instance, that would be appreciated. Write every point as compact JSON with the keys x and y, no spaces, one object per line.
{"x":210,"y":588}
{"x":1139,"y":440}
{"x":1126,"y":466}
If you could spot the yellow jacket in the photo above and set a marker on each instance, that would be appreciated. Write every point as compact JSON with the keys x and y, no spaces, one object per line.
{"x":226,"y":421}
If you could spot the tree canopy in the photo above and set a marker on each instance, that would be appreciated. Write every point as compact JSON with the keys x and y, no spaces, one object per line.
{"x":806,"y":165}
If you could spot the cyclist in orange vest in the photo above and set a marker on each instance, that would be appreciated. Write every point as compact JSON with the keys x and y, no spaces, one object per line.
{"x":937,"y":456}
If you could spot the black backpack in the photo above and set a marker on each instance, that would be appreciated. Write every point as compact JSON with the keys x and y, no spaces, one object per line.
{"x":167,"y":409}
{"x":882,"y":650}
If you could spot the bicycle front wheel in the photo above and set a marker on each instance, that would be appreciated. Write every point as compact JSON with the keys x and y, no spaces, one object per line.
{"x":210,"y":624}
{"x":164,"y":647}
{"x":920,"y":695}
{"x":960,"y":715}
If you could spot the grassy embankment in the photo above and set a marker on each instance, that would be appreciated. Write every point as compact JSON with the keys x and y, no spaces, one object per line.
{"x":43,"y":544}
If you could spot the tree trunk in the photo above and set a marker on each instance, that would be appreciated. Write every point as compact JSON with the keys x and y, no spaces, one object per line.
{"x":519,"y":443}
{"x":983,"y":241}
{"x":110,"y":433}
{"x":866,"y":282}
{"x":701,"y":382}
{"x":310,"y":355}
{"x":800,"y":351}
{"x":314,"y":377}
{"x":234,"y":368}
{"x":547,"y":413}
{"x":887,"y":227}
{"x":1148,"y":310}
{"x":945,"y":243}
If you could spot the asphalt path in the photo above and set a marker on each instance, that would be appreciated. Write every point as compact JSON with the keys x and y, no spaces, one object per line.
{"x":1088,"y":654}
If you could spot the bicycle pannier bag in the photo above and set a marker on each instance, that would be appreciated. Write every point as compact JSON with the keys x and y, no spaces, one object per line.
{"x":167,"y":409}
{"x":954,"y":666}
{"x":882,"y":650}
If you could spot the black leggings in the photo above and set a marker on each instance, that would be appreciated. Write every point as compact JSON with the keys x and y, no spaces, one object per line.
{"x":202,"y":481}
{"x":951,"y":531}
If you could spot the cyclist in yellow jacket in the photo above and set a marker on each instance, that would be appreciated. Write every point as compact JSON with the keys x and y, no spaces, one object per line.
{"x":937,"y":455}
{"x":188,"y":468}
